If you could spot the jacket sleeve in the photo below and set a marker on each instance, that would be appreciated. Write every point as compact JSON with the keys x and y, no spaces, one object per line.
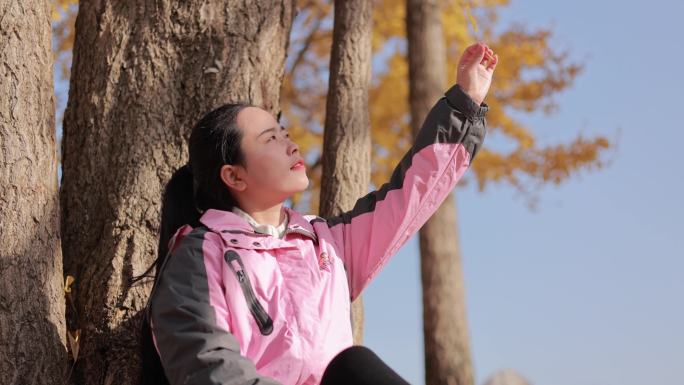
{"x":187,"y":315}
{"x":382,"y":221}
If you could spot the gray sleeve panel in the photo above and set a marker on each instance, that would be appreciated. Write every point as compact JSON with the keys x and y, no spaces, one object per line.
{"x":455,"y":118}
{"x":193,"y":349}
{"x":467,"y":121}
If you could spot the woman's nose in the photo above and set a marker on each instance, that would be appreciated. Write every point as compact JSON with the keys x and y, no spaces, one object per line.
{"x":292,"y":147}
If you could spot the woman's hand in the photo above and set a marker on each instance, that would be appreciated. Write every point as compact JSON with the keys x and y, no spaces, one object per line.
{"x":475,"y":69}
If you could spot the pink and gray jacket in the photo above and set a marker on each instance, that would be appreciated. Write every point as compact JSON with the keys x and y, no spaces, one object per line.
{"x":233,"y":306}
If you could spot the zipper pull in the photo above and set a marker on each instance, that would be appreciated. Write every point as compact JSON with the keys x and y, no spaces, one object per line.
{"x":260,"y":315}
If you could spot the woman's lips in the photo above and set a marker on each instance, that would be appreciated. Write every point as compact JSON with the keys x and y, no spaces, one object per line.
{"x":297,"y":166}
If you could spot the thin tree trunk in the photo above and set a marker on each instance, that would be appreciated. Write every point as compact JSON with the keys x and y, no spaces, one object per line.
{"x":32,"y":325}
{"x":445,"y":329}
{"x":346,"y":141}
{"x":143,"y":73}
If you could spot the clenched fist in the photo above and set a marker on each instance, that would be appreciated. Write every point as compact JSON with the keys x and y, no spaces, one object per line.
{"x":475,"y":69}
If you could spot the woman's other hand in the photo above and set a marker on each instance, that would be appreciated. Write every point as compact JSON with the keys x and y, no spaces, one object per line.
{"x":475,"y":69}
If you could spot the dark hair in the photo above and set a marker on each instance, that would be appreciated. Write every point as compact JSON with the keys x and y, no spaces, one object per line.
{"x":193,"y":189}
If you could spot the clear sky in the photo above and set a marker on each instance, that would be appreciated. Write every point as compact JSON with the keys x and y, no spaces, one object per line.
{"x":588,"y":289}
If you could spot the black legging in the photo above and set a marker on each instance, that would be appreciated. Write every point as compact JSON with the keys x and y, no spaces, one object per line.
{"x":358,"y":365}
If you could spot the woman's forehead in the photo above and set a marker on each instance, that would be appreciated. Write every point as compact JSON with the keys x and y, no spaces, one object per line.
{"x":254,"y":120}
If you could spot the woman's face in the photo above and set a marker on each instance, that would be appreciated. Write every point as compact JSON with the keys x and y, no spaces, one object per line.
{"x":274,"y":167}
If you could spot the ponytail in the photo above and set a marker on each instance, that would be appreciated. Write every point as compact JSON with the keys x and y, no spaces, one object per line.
{"x":178,"y":209}
{"x":193,"y":189}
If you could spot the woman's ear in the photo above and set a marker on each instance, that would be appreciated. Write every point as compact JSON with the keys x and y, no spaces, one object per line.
{"x":231,"y":176}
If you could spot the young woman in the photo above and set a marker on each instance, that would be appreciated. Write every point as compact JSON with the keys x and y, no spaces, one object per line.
{"x":248,"y":291}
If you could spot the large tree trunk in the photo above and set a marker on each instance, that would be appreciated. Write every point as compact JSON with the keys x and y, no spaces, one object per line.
{"x":143,"y":73}
{"x":347,"y":139}
{"x":32,"y":326}
{"x":445,"y":329}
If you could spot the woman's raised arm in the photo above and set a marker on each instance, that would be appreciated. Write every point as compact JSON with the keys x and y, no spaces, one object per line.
{"x":452,"y":134}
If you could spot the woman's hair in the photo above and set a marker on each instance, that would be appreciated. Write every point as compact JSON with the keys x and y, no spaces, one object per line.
{"x":193,"y":189}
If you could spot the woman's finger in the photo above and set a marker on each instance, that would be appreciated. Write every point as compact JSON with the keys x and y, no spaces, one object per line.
{"x":473,"y":50}
{"x":493,"y":62}
{"x":474,"y":54}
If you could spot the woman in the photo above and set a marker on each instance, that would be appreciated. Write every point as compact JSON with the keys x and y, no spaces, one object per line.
{"x":253,"y":292}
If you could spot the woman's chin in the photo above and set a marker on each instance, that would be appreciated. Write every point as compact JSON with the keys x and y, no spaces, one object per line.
{"x":303,"y":182}
{"x":297,"y":186}
{"x":304,"y":185}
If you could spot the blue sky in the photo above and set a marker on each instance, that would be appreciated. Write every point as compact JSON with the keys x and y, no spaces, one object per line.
{"x":588,"y":288}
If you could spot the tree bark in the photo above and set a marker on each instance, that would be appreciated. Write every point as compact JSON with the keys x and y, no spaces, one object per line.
{"x":143,"y":73}
{"x":347,"y":138}
{"x":32,"y":324}
{"x":445,"y":329}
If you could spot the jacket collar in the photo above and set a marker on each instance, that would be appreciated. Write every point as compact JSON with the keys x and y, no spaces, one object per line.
{"x":227,"y":221}
{"x":275,"y":231}
{"x":300,"y":225}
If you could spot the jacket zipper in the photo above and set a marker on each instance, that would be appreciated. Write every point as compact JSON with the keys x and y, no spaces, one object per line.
{"x":262,"y":318}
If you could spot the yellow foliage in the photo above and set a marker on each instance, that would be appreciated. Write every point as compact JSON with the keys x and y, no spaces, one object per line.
{"x":550,"y":164}
{"x":389,"y":20}
{"x":531,"y":73}
{"x":60,"y":8}
{"x":63,"y":20}
{"x":524,"y":53}
{"x":391,"y":132}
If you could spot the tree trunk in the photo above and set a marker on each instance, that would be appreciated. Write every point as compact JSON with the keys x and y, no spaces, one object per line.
{"x":32,"y":325}
{"x":445,"y":329}
{"x":347,"y":138}
{"x":143,"y":73}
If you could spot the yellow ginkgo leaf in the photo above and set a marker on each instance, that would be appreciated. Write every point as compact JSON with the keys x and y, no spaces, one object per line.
{"x":74,"y":341}
{"x":67,"y":283}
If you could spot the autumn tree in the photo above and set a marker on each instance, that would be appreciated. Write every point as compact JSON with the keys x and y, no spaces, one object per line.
{"x":445,"y":326}
{"x":346,"y":144}
{"x":142,"y":75}
{"x":32,"y":325}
